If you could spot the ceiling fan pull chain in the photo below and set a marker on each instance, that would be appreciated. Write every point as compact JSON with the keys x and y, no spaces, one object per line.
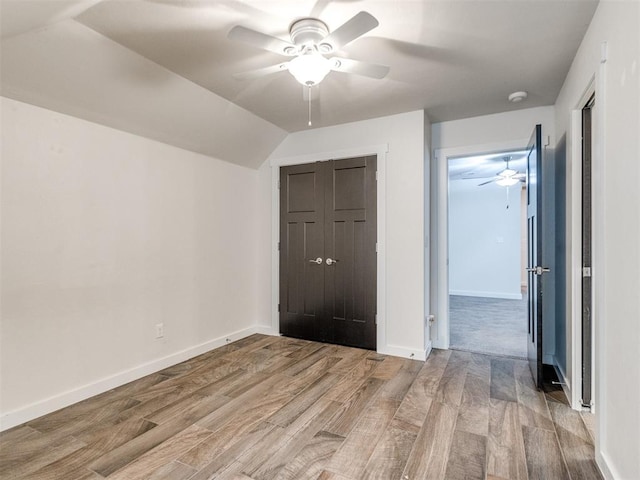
{"x":309,"y":104}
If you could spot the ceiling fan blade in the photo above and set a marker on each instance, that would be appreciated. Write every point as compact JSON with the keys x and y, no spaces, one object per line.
{"x":261,"y":72}
{"x":365,"y":69}
{"x":262,"y":40}
{"x":357,"y":26}
{"x":318,"y":8}
{"x":473,"y":177}
{"x":487,"y":182}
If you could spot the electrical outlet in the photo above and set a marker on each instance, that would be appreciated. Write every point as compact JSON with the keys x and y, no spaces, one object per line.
{"x":159,"y":330}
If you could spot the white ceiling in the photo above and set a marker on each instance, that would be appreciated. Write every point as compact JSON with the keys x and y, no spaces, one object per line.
{"x":476,"y":169}
{"x":110,"y":61}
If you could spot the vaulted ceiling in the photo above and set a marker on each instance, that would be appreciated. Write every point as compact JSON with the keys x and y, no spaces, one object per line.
{"x":164,"y":68}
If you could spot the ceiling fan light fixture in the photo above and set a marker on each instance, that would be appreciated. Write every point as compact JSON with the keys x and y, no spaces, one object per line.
{"x":507,"y":172}
{"x":507,"y":181}
{"x":309,"y":69}
{"x":325,"y":48}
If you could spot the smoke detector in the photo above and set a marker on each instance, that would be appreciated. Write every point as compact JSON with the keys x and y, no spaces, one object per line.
{"x":516,"y":97}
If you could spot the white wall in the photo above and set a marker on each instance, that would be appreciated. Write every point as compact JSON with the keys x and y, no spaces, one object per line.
{"x":484,"y":240}
{"x":427,"y":229}
{"x":263,"y":262}
{"x":105,"y":234}
{"x":616,"y":213}
{"x":492,"y":129}
{"x":404,"y":204}
{"x":70,"y":68}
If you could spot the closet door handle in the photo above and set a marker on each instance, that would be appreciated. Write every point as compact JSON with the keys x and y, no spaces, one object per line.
{"x":317,"y":261}
{"x":331,"y":261}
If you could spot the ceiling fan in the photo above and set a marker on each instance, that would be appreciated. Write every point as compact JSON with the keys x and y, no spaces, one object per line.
{"x":507,"y":177}
{"x":310,"y":41}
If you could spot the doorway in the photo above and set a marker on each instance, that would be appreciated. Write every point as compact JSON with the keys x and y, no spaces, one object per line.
{"x":328,"y":251}
{"x":487,"y":245}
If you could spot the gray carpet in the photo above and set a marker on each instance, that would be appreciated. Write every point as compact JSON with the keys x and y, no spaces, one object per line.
{"x":488,"y":325}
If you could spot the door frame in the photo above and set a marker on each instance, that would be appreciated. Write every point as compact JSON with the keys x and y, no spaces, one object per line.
{"x":575,"y":229}
{"x":381,"y":152}
{"x":440,"y":228}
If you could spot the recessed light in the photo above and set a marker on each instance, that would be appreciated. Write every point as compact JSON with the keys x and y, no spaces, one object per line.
{"x":516,"y":97}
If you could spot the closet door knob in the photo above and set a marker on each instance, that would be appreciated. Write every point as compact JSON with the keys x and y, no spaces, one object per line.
{"x":316,"y":261}
{"x":331,"y":261}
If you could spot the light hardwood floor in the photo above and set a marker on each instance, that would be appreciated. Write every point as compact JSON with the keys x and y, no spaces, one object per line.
{"x":280,"y":408}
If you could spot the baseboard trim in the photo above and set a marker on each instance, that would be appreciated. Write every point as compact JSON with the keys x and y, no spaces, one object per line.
{"x":603,"y":466}
{"x":56,"y":402}
{"x":440,"y":344}
{"x":37,"y":409}
{"x":393,"y":350}
{"x":566,"y":386}
{"x":561,"y":375}
{"x":428,"y":352}
{"x":266,"y":330}
{"x":404,"y":352}
{"x":473,"y":293}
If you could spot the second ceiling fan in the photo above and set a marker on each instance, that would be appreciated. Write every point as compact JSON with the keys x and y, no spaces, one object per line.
{"x":507,"y":177}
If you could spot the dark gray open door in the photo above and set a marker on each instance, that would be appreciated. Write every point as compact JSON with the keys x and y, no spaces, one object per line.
{"x":328,"y":251}
{"x":535,"y":268}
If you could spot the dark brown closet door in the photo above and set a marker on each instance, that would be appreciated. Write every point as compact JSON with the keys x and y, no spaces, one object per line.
{"x":350,"y":248}
{"x":301,"y":245}
{"x":328,"y":212}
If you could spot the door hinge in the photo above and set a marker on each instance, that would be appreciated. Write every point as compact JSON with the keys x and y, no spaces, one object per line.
{"x":376,"y":318}
{"x":586,"y":272}
{"x":278,"y":308}
{"x":278,"y":246}
{"x":376,"y":175}
{"x":376,"y":247}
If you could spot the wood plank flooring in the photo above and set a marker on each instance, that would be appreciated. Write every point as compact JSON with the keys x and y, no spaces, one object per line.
{"x":267,"y":408}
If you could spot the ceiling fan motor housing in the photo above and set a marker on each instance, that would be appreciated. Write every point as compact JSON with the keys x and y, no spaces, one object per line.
{"x":310,"y":31}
